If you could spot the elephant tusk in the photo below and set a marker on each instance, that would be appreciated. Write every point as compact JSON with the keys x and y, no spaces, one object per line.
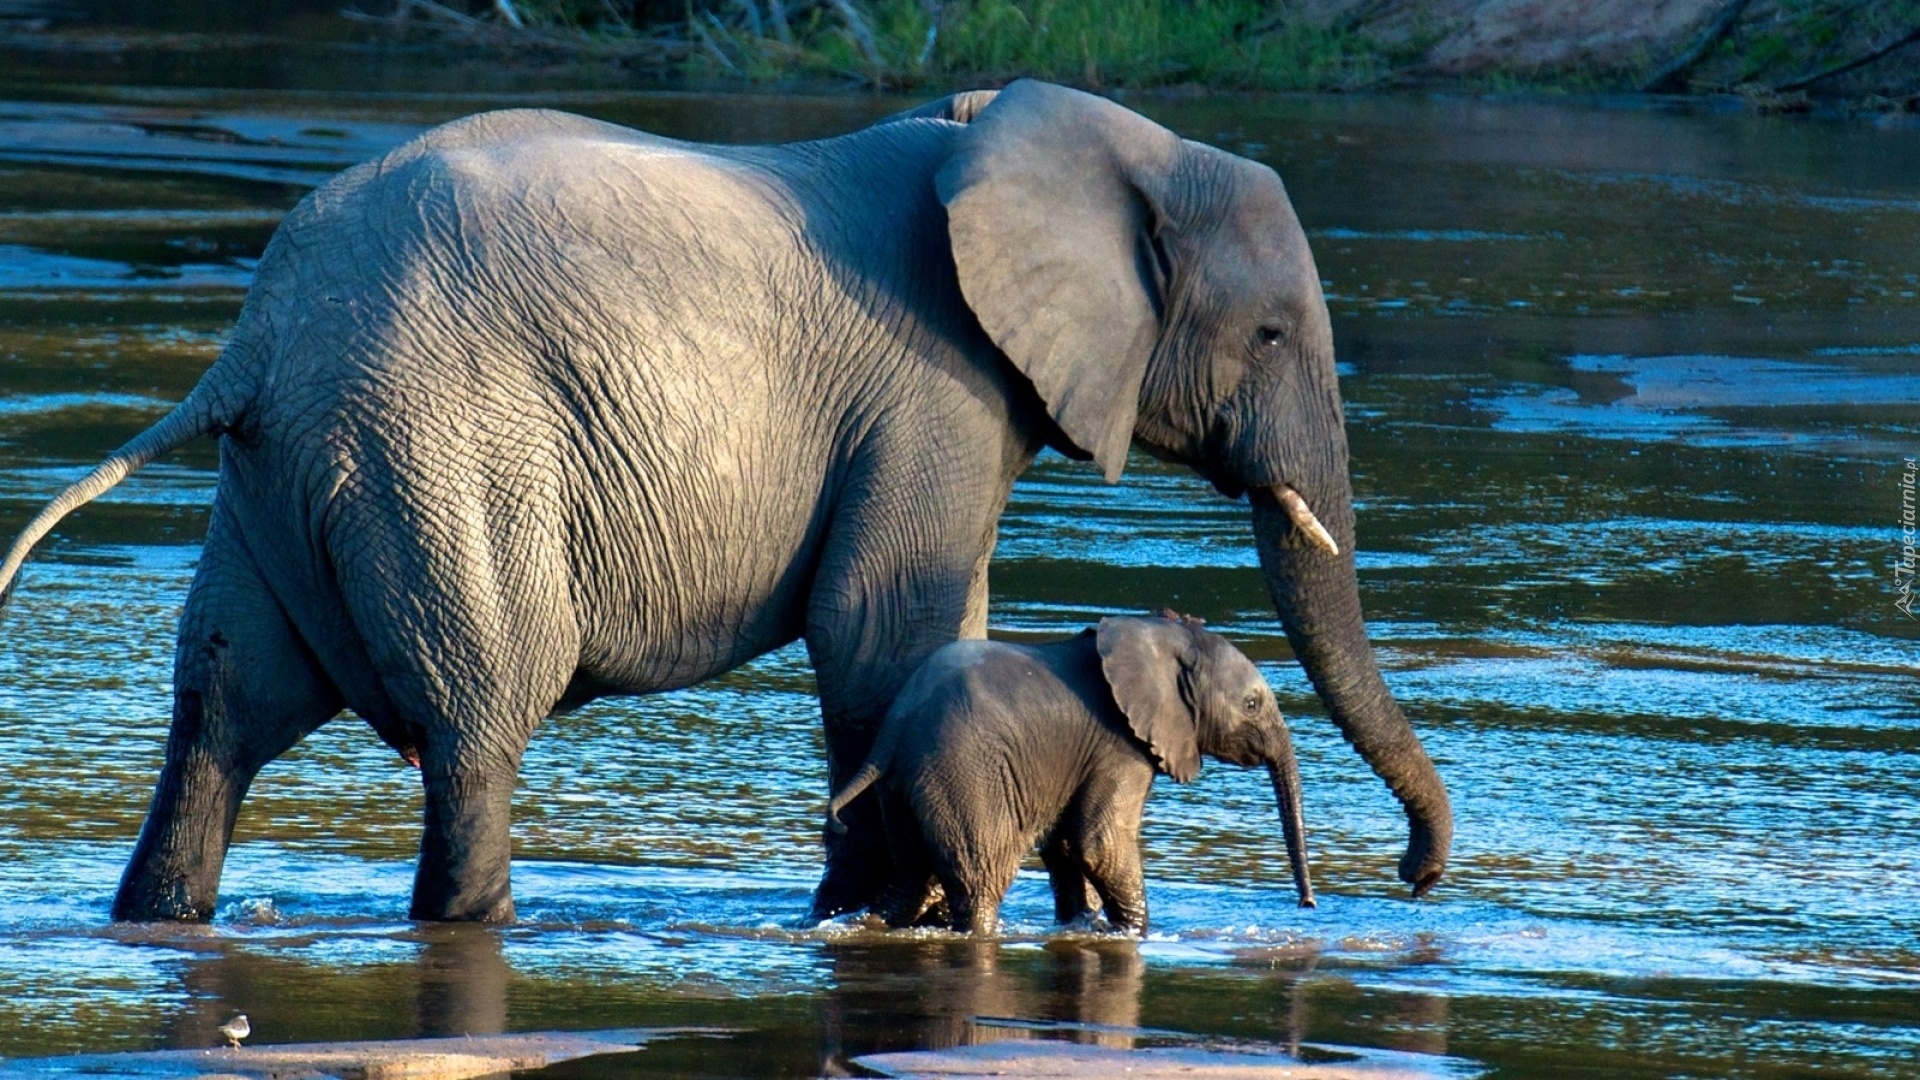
{"x":1303,"y":519}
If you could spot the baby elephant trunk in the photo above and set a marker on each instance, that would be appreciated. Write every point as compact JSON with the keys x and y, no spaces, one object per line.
{"x":1284,"y":769}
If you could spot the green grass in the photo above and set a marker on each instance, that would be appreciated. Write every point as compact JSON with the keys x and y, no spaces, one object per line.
{"x":1093,"y":43}
{"x":1232,"y":44}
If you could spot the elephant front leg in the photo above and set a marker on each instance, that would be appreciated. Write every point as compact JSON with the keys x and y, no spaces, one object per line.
{"x":910,"y":888}
{"x":1074,"y":900}
{"x":1108,"y":841}
{"x":859,"y":864}
{"x":881,"y":603}
{"x":1114,"y":870}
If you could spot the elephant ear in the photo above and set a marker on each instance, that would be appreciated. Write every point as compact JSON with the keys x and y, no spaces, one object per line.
{"x":1147,"y":663}
{"x":1052,"y":203}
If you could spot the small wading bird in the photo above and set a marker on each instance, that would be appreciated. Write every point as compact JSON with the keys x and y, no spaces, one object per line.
{"x":236,"y":1029}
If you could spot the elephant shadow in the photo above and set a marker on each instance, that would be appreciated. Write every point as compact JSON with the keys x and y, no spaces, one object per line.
{"x":936,"y":994}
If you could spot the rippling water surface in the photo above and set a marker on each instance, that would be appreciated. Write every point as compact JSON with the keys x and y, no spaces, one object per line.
{"x":1629,"y":393}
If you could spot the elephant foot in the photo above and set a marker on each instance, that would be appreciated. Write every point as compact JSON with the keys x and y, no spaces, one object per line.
{"x":166,"y":899}
{"x":1087,"y":922}
{"x":485,"y":909}
{"x":858,"y":869}
{"x":834,"y":897}
{"x":902,"y":906}
{"x":937,"y":913}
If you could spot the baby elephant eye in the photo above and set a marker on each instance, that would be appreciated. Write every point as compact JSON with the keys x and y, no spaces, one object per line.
{"x":1252,"y":703}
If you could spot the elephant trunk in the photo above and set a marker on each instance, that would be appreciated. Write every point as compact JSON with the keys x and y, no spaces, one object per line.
{"x":1317,"y":596}
{"x":1283,"y":768}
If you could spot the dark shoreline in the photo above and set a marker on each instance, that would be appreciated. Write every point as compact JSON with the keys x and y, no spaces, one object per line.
{"x":43,"y":67}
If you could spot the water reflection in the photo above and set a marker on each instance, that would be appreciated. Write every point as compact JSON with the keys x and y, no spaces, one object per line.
{"x":463,"y":982}
{"x":319,"y":983}
{"x":935,"y":994}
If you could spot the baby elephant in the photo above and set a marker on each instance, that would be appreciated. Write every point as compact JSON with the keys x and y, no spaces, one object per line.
{"x":992,"y":748}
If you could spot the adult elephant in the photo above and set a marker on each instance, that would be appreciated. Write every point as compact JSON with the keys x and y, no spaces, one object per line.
{"x":536,"y":409}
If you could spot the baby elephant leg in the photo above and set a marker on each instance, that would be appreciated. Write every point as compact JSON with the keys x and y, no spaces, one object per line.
{"x":1109,"y":845}
{"x":975,"y":887}
{"x":1074,"y":899}
{"x":909,"y":886}
{"x":973,"y":913}
{"x":1113,"y":867}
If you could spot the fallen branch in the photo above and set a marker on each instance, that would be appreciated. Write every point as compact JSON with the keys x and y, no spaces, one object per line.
{"x":1856,"y":63}
{"x":1672,"y":78}
{"x":436,"y":11}
{"x":709,"y":44}
{"x":857,"y":27}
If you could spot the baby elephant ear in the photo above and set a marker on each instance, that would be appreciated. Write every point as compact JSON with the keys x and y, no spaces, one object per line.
{"x":1145,"y":661}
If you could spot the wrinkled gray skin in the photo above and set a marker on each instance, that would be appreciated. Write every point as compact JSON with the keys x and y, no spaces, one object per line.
{"x":992,"y":748}
{"x":536,"y":409}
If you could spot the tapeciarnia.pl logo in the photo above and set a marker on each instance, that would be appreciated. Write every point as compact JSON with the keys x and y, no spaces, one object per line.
{"x":1903,"y":567}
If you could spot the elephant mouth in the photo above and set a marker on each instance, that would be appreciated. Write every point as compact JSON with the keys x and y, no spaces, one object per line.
{"x":1301,"y":515}
{"x":1296,"y":508}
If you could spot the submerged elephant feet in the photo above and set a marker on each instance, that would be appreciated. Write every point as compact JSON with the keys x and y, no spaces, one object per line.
{"x":858,"y":866}
{"x":164,"y":899}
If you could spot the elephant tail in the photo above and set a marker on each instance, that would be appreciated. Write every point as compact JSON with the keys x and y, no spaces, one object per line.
{"x":212,"y":406}
{"x":861,"y":781}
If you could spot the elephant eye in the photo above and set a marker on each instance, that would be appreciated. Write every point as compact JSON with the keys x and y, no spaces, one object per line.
{"x":1269,"y":339}
{"x":1252,"y":703}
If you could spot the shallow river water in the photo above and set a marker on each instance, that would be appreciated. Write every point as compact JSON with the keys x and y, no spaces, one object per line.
{"x":1629,"y":393}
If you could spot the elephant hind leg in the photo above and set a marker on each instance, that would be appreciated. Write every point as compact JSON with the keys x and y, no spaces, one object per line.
{"x":973,"y":901}
{"x":466,"y":843}
{"x":472,"y":639}
{"x":976,"y":879}
{"x":909,"y":890}
{"x":472,"y":731}
{"x":246,"y":689}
